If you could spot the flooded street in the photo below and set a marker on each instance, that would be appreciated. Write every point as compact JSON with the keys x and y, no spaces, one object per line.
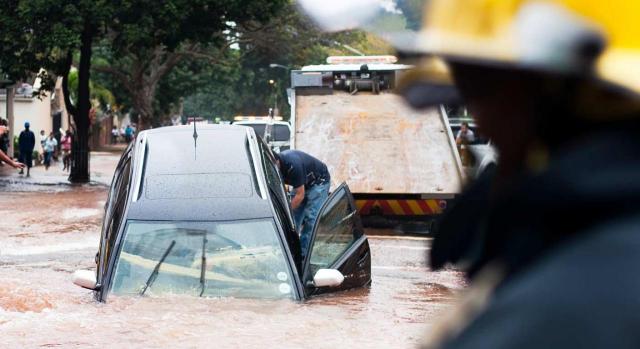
{"x":47,"y":234}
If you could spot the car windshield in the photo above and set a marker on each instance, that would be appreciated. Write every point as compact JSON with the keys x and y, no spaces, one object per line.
{"x":244,"y":259}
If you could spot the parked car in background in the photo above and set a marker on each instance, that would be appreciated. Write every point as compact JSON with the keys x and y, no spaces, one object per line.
{"x":205,"y":213}
{"x":279,"y":133}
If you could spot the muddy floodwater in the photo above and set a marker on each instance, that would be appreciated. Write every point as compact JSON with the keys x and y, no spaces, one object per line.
{"x":46,"y":235}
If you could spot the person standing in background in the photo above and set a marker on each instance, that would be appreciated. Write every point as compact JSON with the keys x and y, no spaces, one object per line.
{"x":66,"y":142}
{"x":114,"y":135}
{"x":128,"y":134}
{"x":26,"y":143}
{"x":50,"y":145}
{"x":43,"y":138}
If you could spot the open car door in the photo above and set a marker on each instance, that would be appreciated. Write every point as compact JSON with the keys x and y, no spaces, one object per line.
{"x":338,"y":243}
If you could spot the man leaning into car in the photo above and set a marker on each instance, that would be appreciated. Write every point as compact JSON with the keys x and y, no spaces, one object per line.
{"x":311,"y":180}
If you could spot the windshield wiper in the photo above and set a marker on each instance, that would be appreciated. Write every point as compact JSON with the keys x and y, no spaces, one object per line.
{"x":155,"y":271}
{"x":204,"y":262}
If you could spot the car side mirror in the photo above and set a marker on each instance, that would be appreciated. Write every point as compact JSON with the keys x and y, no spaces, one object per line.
{"x":328,"y":278}
{"x":85,"y":279}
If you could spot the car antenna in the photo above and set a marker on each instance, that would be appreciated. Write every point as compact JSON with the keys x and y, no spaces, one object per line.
{"x":195,"y":139}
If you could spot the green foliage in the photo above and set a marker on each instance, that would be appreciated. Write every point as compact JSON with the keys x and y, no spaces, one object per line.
{"x":241,"y":87}
{"x":154,"y":50}
{"x":38,"y":34}
{"x":99,"y":93}
{"x":149,"y":56}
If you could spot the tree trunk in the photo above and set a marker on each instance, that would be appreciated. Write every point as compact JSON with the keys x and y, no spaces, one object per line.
{"x":80,"y":152}
{"x":143,"y":104}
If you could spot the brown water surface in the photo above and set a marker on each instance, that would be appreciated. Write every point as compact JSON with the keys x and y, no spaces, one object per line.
{"x":45,"y":236}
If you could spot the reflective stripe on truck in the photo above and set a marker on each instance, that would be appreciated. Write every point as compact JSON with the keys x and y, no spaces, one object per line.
{"x":401,"y":207}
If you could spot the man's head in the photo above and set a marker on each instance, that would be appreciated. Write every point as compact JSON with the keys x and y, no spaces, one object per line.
{"x":464,"y":127}
{"x":27,"y":125}
{"x":42,"y":132}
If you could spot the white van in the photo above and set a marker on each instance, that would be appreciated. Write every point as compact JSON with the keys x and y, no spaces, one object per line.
{"x":280,"y":133}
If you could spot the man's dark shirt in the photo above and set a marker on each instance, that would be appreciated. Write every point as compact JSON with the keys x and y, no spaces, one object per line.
{"x":26,"y":141}
{"x":300,"y":168}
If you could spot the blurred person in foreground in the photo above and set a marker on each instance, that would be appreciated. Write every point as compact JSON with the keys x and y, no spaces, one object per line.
{"x":4,"y":157}
{"x":551,"y":241}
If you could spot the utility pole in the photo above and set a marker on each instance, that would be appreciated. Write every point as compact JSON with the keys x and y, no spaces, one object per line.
{"x":275,"y":106}
{"x":275,"y":90}
{"x":286,"y":69}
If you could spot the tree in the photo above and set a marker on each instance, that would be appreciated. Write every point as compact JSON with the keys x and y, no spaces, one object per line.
{"x":45,"y":34}
{"x":147,"y":40}
{"x":289,"y":39}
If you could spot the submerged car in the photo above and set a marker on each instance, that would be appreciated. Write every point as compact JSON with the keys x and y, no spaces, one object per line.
{"x":204,"y":212}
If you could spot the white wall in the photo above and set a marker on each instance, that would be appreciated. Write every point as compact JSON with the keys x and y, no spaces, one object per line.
{"x":37,"y":112}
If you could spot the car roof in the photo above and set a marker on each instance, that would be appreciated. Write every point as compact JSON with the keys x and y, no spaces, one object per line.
{"x":211,"y":177}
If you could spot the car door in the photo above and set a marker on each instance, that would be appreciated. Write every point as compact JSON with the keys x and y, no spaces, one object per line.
{"x":281,"y":203}
{"x":338,"y":242}
{"x":113,"y":213}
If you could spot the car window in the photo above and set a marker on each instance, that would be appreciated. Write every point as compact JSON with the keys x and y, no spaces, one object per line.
{"x":335,"y":231}
{"x":258,"y":128}
{"x":282,"y":133}
{"x":291,"y":235}
{"x":115,"y":183}
{"x":119,"y":202}
{"x":243,"y":259}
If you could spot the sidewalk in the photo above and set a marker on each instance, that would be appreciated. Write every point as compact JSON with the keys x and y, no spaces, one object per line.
{"x":102,"y":164}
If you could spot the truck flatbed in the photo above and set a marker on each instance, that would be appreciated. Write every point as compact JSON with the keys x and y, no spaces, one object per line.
{"x":377,"y":144}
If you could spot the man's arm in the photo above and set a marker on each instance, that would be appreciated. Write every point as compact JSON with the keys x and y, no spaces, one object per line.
{"x":4,"y":157}
{"x":297,"y":200}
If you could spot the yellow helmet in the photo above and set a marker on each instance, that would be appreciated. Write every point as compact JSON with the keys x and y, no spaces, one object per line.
{"x":552,"y":35}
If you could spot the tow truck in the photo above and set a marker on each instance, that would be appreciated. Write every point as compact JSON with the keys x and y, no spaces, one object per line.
{"x":401,"y":164}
